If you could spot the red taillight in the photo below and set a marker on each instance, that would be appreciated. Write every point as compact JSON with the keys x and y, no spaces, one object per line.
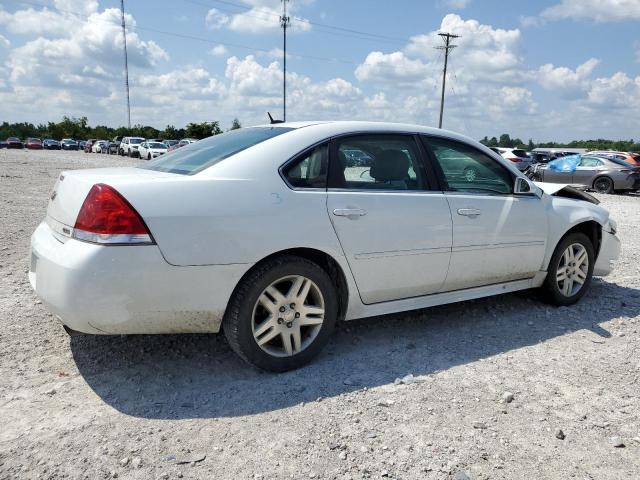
{"x":106,"y":217}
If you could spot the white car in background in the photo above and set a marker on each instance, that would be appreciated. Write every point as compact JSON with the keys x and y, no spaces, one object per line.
{"x":97,"y":146}
{"x":520,"y":158}
{"x":129,"y":146}
{"x":271,"y":234}
{"x":148,"y":150}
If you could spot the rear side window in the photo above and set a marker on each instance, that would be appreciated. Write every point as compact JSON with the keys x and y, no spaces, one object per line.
{"x":309,"y":170}
{"x":591,"y":162}
{"x":466,"y":169}
{"x":197,"y":156}
{"x":520,"y":153}
{"x":376,"y":162}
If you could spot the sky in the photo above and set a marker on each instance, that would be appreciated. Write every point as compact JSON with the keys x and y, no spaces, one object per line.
{"x":546,"y":70}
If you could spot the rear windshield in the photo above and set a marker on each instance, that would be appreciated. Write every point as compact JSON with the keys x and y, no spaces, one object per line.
{"x":197,"y":156}
{"x":520,"y":153}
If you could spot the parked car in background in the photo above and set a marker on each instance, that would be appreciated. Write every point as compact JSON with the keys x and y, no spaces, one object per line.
{"x":149,"y":149}
{"x":170,"y":143}
{"x":602,"y":174}
{"x":50,"y":144}
{"x":129,"y":146}
{"x":88,"y":144}
{"x":628,"y":157}
{"x":114,"y":145}
{"x":14,"y":142}
{"x":182,"y":143}
{"x":69,"y":144}
{"x":171,"y":246}
{"x":518,"y":157}
{"x":3,"y":144}
{"x":81,"y":144}
{"x":544,"y":155}
{"x":33,"y":144}
{"x":98,"y":145}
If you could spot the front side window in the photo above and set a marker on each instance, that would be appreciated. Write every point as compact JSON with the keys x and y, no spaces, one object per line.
{"x":309,"y":170}
{"x":466,"y":169}
{"x":376,"y":162}
{"x":197,"y":156}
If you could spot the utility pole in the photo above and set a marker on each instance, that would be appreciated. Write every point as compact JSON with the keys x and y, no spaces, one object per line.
{"x":446,"y":37}
{"x":126,"y":64}
{"x":284,"y":23}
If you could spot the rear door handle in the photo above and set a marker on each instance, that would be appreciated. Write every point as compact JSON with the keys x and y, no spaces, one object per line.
{"x":349,"y":212}
{"x":469,"y":212}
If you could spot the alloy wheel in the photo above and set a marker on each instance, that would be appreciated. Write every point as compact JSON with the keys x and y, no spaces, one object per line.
{"x":572,"y":269}
{"x":288,"y":316}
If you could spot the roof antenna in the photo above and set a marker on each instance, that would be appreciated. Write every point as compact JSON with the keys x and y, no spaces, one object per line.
{"x":272,"y":121}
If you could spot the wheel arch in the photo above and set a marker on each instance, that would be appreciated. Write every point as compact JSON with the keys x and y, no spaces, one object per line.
{"x":320,"y":258}
{"x":591,"y":228}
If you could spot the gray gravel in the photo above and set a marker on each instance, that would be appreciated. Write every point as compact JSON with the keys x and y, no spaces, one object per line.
{"x":475,"y":390}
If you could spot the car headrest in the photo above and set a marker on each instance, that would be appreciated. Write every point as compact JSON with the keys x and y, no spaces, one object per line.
{"x":390,"y":165}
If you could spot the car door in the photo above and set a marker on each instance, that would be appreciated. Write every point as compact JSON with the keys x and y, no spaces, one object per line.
{"x":497,"y":236}
{"x":586,"y":171}
{"x":393,"y":225}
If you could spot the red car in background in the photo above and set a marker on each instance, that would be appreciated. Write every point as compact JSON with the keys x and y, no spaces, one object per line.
{"x":14,"y":142}
{"x":89,"y":144}
{"x":34,"y":144}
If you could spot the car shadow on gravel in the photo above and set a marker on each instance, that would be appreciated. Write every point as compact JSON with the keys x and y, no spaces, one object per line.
{"x":198,"y":376}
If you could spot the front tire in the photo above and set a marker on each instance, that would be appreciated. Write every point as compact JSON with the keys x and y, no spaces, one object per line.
{"x":570,"y":271}
{"x":281,"y":314}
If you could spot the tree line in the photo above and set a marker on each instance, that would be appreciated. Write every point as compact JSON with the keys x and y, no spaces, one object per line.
{"x":506,"y":141}
{"x":79,"y":129}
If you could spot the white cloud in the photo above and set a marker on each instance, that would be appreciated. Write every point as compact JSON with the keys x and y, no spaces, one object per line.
{"x":218,"y":51}
{"x":394,"y":67}
{"x":458,"y":4}
{"x":4,"y":42}
{"x":617,"y":91}
{"x":570,"y":83}
{"x":215,"y":19}
{"x":597,"y":10}
{"x":262,"y":16}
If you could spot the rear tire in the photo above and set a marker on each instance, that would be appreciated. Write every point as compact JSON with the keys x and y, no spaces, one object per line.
{"x":570,"y":271}
{"x":265,"y":306}
{"x":603,"y":185}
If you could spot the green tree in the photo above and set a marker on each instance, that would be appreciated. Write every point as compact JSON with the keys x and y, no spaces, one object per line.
{"x":493,"y":142}
{"x":203,"y":130}
{"x":505,"y":141}
{"x":235,"y":125}
{"x":531,"y":145}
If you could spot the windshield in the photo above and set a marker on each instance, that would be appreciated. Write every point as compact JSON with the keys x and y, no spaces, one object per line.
{"x":136,"y":141}
{"x":197,"y":156}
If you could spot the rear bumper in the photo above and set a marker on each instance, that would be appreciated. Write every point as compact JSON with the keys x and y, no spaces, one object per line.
{"x":125,"y":290}
{"x":608,"y":255}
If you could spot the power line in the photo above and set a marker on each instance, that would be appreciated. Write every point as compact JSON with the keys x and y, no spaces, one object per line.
{"x":447,"y":47}
{"x":204,"y":39}
{"x":126,"y":63}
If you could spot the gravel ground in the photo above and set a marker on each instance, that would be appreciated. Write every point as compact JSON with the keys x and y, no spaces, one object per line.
{"x":184,"y":406}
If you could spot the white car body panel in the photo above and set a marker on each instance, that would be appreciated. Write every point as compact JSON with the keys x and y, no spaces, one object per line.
{"x":212,"y":227}
{"x":144,"y":152}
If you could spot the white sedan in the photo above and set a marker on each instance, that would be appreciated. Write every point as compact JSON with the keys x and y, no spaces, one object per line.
{"x":97,"y":146}
{"x":275,"y":233}
{"x":149,"y":150}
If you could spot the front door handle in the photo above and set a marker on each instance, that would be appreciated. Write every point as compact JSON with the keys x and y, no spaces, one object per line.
{"x":349,"y":212}
{"x":469,"y":212}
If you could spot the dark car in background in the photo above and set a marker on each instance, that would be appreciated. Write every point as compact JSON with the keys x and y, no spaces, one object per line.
{"x":50,"y":144}
{"x":68,"y":144}
{"x":3,"y":144}
{"x":81,"y":144}
{"x":33,"y":144}
{"x":170,"y":143}
{"x":14,"y":142}
{"x":113,"y":146}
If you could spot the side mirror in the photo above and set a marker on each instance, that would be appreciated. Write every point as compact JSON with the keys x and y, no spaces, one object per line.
{"x":523,"y":187}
